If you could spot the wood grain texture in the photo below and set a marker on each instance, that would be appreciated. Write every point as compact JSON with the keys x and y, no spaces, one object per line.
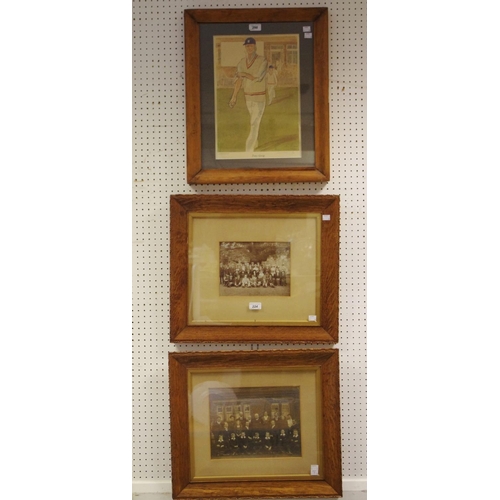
{"x":182,"y":205}
{"x":256,"y":15}
{"x":241,"y":176}
{"x":330,"y":262}
{"x":196,"y":174}
{"x":328,"y":362}
{"x":257,"y":489}
{"x":179,"y":411}
{"x":321,"y":101}
{"x":330,"y":387}
{"x":178,"y":267}
{"x":192,"y":96}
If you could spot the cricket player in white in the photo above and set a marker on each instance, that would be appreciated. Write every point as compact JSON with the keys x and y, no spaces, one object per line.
{"x":272,"y":81}
{"x":251,"y":72}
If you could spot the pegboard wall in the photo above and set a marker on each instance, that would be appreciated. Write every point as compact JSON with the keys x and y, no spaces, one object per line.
{"x":159,"y":170}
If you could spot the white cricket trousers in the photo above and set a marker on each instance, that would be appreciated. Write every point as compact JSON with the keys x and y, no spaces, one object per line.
{"x":256,"y":110}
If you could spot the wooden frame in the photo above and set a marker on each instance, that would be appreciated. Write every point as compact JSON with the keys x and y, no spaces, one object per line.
{"x":191,"y":376}
{"x":313,"y":166}
{"x":281,"y":319}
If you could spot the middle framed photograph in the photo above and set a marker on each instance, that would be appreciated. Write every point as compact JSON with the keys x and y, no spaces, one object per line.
{"x":254,"y":268}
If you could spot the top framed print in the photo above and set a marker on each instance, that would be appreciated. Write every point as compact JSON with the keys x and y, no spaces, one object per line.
{"x":252,"y":268}
{"x":256,"y":85}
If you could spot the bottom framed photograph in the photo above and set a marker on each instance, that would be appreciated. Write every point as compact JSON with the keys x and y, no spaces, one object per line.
{"x":255,"y":424}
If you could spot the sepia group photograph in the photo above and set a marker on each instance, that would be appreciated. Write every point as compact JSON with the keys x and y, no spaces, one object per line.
{"x":254,"y":268}
{"x":255,"y":422}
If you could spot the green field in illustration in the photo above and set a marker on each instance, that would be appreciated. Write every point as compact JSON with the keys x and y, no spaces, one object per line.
{"x":279,"y":128}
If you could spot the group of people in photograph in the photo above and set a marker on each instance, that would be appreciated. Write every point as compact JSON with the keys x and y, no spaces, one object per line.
{"x":258,"y":435}
{"x":252,"y":274}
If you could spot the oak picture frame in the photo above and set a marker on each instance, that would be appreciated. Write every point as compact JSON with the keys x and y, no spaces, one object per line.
{"x":202,"y":165}
{"x":191,"y":374}
{"x":315,"y":275}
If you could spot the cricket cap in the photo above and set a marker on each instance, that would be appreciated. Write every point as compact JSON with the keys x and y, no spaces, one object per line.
{"x":249,"y":41}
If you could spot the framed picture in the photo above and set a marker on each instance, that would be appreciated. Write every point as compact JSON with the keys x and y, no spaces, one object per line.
{"x":257,"y":95}
{"x":254,"y":268}
{"x":255,"y":424}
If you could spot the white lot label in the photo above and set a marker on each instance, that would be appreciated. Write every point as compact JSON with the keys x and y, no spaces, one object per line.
{"x":314,"y":470}
{"x":255,"y":306}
